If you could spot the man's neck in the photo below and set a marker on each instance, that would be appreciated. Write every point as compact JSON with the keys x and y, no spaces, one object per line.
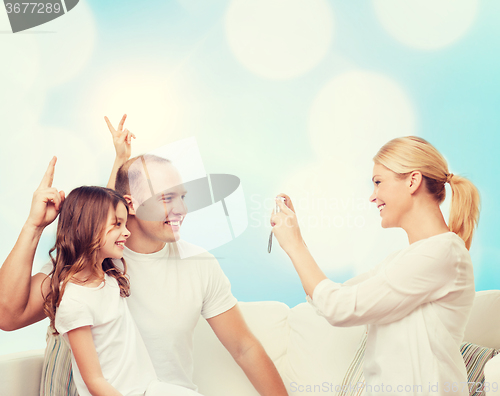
{"x":143,"y":245}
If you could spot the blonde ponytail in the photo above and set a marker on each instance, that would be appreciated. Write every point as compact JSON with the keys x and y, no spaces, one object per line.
{"x":464,"y":211}
{"x":411,"y":153}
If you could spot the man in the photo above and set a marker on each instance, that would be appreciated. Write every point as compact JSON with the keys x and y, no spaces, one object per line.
{"x":167,"y":293}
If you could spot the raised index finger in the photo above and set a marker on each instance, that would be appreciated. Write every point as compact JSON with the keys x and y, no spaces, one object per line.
{"x":48,"y":177}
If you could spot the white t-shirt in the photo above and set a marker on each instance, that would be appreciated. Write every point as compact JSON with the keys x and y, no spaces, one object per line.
{"x":167,"y":296}
{"x":417,"y":303}
{"x":123,"y":357}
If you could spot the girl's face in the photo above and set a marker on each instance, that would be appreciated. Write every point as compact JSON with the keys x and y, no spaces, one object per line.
{"x":391,"y":195}
{"x":115,"y":233}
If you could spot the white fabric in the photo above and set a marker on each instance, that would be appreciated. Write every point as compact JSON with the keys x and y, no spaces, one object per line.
{"x":124,"y":360}
{"x":416,"y":303}
{"x":157,"y":388}
{"x":168,"y":294}
{"x":492,"y":377}
{"x":483,"y":327}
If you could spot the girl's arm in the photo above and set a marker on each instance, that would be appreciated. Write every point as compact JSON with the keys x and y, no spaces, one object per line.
{"x":122,"y":139}
{"x":83,"y":349}
{"x":21,"y":301}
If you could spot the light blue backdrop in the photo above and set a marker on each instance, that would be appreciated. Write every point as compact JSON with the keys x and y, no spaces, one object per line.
{"x":291,"y":96}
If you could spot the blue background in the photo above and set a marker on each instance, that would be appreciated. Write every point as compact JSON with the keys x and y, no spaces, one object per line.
{"x":290,"y":96}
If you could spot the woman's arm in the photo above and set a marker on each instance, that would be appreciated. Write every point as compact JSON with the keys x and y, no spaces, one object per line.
{"x":287,"y":232}
{"x":83,"y":349}
{"x":423,"y":275}
{"x":122,"y":139}
{"x":21,"y":301}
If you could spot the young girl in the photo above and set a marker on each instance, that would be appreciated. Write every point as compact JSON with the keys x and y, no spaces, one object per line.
{"x":87,"y":305}
{"x":417,"y":301}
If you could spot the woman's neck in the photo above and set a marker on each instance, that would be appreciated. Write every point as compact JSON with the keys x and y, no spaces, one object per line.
{"x":425,"y":222}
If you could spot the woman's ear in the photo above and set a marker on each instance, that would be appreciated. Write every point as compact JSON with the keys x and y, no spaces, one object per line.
{"x":130,"y":202}
{"x":416,"y":179}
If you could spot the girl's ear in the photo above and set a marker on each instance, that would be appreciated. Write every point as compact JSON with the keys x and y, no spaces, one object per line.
{"x":130,"y":202}
{"x":415,"y":181}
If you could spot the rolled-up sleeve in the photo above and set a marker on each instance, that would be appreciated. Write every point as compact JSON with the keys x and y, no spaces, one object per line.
{"x":392,"y":293}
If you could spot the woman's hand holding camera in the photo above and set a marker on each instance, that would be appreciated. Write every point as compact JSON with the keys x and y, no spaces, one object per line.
{"x":285,"y":225}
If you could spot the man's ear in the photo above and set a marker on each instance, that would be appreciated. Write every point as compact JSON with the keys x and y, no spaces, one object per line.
{"x":415,"y":181}
{"x":130,"y":202}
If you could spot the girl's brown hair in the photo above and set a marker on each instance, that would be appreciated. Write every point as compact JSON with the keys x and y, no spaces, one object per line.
{"x":407,"y":154}
{"x":80,"y":231}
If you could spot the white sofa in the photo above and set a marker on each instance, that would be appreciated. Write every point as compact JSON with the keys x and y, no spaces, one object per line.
{"x":306,"y":350}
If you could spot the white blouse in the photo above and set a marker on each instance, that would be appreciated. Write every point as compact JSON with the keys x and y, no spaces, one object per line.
{"x":417,"y":303}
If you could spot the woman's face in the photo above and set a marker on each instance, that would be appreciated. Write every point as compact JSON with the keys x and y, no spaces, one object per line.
{"x":391,"y":195}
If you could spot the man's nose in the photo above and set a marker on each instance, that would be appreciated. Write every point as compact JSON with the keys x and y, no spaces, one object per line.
{"x":179,"y":206}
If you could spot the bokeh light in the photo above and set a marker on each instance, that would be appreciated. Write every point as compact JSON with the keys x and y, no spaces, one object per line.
{"x":279,"y":39}
{"x":426,"y":24}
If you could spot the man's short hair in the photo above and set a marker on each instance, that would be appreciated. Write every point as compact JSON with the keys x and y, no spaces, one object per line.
{"x":133,"y":172}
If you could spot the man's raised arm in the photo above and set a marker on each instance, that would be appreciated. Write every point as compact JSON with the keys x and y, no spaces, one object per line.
{"x":21,"y":300}
{"x":122,"y":139}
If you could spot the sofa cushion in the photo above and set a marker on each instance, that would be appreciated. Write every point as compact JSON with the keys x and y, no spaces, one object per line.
{"x":215,"y":371}
{"x":57,"y":377}
{"x":492,"y":376}
{"x":316,"y":359}
{"x":475,"y":358}
{"x":484,"y":321}
{"x":354,"y":381}
{"x":20,"y":373}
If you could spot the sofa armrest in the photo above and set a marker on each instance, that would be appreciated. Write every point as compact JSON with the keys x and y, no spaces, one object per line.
{"x":20,"y":373}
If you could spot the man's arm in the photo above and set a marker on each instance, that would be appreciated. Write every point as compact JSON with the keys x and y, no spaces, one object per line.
{"x":122,"y":139}
{"x":21,"y":301}
{"x":247,"y":351}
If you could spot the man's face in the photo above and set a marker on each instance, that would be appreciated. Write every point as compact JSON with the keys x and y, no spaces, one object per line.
{"x":160,"y":216}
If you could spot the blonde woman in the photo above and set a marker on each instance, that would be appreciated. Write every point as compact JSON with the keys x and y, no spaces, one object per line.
{"x":417,"y":301}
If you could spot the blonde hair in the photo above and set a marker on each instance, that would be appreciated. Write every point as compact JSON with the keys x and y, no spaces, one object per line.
{"x":407,"y":154}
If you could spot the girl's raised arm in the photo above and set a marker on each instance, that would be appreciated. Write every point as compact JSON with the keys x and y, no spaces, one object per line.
{"x":83,"y":349}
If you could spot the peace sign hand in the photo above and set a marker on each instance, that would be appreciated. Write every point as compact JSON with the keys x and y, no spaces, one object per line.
{"x":47,"y":201}
{"x":122,"y":138}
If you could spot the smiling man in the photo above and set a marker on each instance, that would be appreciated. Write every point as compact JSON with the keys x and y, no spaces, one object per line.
{"x":172,"y":283}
